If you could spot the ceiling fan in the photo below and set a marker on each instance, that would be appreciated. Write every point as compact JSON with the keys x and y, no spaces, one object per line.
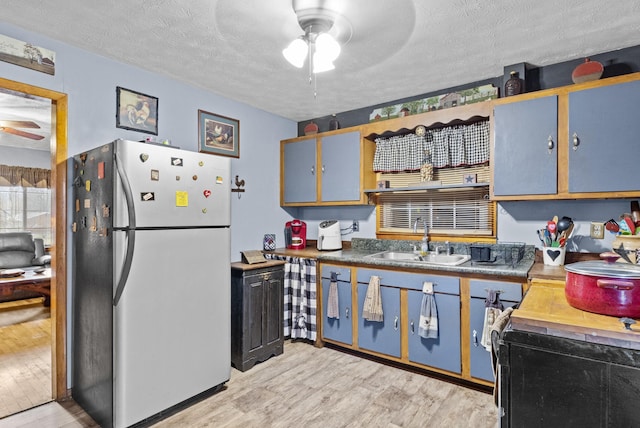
{"x":9,"y":126}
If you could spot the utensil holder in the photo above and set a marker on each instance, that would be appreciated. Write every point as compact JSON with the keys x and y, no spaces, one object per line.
{"x":553,"y":256}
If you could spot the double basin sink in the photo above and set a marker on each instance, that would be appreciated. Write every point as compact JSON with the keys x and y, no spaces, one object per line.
{"x":430,"y":258}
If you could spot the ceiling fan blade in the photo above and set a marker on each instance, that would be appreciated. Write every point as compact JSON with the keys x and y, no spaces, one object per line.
{"x":21,"y":133}
{"x":19,"y":123}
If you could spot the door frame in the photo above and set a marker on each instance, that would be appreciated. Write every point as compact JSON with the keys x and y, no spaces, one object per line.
{"x":58,"y":223}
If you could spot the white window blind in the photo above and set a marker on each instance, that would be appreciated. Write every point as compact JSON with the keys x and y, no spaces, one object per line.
{"x":465,"y":211}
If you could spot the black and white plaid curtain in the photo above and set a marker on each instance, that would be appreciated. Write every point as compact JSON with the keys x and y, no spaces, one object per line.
{"x":445,"y":147}
{"x":299,"y":296}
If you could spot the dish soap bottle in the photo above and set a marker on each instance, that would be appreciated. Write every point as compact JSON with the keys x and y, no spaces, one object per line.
{"x":424,"y":247}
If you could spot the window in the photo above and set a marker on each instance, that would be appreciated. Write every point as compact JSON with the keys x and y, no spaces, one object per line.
{"x":440,"y":176}
{"x":26,"y":209}
{"x":447,"y":212}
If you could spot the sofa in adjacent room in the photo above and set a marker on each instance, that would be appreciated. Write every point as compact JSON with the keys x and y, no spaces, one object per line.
{"x":19,"y":250}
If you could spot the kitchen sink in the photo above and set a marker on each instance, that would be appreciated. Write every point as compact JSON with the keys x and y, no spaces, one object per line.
{"x":430,"y":258}
{"x":394,"y":255}
{"x":446,"y":259}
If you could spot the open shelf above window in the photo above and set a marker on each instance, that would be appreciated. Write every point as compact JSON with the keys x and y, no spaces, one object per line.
{"x":426,"y":186}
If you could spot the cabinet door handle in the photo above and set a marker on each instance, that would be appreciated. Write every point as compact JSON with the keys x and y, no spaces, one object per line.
{"x":395,"y":323}
{"x":412,"y":327}
{"x":323,"y":169}
{"x":313,"y":170}
{"x":550,"y":143}
{"x":346,"y":313}
{"x":475,"y":338}
{"x":576,"y":141}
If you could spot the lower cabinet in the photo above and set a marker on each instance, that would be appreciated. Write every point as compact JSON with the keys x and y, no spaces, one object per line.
{"x":339,"y":329}
{"x":510,"y":294}
{"x":380,"y":336}
{"x":549,"y":381}
{"x":256,"y":312}
{"x":397,"y":335}
{"x":443,"y":352}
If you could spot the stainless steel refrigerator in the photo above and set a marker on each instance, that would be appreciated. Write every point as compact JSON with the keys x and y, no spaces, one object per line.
{"x":151,"y":280}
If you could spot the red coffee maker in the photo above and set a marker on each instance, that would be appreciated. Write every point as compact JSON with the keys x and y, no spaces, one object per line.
{"x":295,"y":234}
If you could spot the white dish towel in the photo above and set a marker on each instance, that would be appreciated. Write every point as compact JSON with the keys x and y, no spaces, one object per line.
{"x":493,"y":309}
{"x":332,"y":298}
{"x":428,"y":327}
{"x":372,"y":307}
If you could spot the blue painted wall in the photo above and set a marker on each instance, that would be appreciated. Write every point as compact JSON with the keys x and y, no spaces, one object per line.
{"x":90,"y":82}
{"x":23,"y":157}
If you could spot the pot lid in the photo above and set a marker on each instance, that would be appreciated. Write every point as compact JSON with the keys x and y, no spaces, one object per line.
{"x":602,"y":268}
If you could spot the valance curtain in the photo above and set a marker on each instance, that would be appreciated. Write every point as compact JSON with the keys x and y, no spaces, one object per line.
{"x":299,"y":297}
{"x":444,"y":147}
{"x":25,"y":177}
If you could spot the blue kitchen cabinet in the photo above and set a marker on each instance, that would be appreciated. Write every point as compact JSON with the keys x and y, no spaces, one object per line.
{"x":381,"y":336}
{"x":573,"y":142}
{"x":384,"y":336}
{"x":340,"y":329}
{"x":525,"y":155}
{"x":443,"y":352}
{"x":340,"y":170}
{"x":510,"y":295}
{"x":604,"y":126}
{"x":332,"y":168}
{"x":299,"y":169}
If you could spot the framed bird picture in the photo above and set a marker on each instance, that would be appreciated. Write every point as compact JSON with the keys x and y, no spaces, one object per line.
{"x":136,"y":111}
{"x":218,"y":135}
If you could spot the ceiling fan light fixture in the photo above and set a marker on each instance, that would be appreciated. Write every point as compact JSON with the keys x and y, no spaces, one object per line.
{"x":316,"y":19}
{"x":296,"y":52}
{"x":322,"y":63}
{"x":327,"y":46}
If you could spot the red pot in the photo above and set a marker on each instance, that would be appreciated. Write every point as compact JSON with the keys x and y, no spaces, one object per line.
{"x":604,"y":288}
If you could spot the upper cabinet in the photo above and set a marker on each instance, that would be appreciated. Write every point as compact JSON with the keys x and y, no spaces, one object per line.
{"x":525,"y":154}
{"x":572,"y":142}
{"x":604,"y":136}
{"x":331,"y":168}
{"x":298,"y":171}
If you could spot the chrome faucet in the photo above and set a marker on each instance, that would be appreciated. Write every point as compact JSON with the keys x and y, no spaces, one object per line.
{"x":425,"y":237}
{"x":424,"y":224}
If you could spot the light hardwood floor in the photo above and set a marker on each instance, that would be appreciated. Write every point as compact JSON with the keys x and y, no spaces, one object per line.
{"x":311,"y":387}
{"x":25,"y":356}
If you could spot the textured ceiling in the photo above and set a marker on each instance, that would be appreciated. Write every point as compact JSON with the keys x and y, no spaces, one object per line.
{"x":397,"y":48}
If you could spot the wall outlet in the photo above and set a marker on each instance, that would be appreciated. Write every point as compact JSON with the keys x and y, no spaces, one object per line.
{"x":597,"y":230}
{"x":356,"y":226}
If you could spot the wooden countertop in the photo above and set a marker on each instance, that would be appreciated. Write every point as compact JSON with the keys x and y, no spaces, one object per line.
{"x":541,"y":271}
{"x":307,"y":253}
{"x":246,"y":266}
{"x":545,"y":310}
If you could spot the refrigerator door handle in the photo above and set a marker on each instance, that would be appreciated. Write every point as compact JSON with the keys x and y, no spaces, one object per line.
{"x":131,"y":234}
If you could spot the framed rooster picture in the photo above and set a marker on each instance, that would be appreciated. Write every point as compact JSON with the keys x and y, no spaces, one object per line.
{"x":136,"y":111}
{"x":218,"y":135}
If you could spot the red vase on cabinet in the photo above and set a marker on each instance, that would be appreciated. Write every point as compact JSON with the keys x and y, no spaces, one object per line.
{"x":311,"y":128}
{"x":587,"y":71}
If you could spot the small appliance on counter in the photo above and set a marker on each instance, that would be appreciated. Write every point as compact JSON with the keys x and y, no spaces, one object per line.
{"x":295,"y":234}
{"x":329,"y":237}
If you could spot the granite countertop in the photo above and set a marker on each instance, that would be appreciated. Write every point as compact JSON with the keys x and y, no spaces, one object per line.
{"x":361,"y":247}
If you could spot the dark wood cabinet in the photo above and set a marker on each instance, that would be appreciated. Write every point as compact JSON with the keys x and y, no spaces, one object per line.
{"x":557,"y":382}
{"x":256,"y":312}
{"x":562,"y":367}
